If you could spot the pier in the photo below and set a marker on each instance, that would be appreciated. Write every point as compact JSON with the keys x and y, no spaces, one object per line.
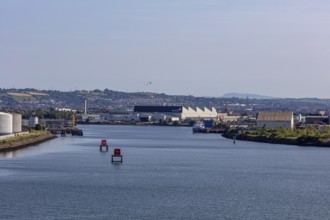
{"x":61,"y":127}
{"x":64,"y":131}
{"x":211,"y":130}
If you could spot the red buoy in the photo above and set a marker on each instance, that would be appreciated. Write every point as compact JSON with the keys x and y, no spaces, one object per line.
{"x":117,"y":157}
{"x":104,"y":142}
{"x":116,"y":152}
{"x":104,"y":146}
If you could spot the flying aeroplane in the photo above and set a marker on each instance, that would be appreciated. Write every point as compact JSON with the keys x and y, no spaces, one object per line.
{"x":147,"y":83}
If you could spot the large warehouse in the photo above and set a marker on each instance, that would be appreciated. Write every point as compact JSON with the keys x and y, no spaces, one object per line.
{"x":275,"y":119}
{"x":181,"y":112}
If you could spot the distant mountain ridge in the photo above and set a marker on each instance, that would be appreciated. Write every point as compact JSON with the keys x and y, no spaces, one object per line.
{"x":108,"y":100}
{"x":246,"y":95}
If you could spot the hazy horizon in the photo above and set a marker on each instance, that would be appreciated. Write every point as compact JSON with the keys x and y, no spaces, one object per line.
{"x":201,"y":48}
{"x":225,"y":95}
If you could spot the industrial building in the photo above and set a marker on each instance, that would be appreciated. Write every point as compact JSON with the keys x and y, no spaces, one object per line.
{"x":33,"y":121}
{"x":153,"y":114}
{"x":90,"y":118}
{"x":224,"y":117}
{"x":316,"y":119}
{"x":175,"y":113}
{"x":275,"y":120}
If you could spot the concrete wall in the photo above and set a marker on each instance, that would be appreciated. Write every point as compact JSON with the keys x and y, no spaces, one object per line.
{"x":275,"y":124}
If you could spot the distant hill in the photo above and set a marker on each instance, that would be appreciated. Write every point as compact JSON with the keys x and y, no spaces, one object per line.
{"x":98,"y":100}
{"x":246,"y":95}
{"x":111,"y":101}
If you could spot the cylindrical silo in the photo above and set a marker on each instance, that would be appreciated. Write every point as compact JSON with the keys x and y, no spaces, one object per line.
{"x":6,"y":123}
{"x":17,"y":123}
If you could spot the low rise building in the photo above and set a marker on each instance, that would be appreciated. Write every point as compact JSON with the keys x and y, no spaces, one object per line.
{"x":316,"y":119}
{"x":89,"y":118}
{"x":323,"y":128}
{"x":228,"y":118}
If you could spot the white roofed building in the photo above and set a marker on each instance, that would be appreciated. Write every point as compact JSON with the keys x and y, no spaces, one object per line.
{"x":197,"y":112}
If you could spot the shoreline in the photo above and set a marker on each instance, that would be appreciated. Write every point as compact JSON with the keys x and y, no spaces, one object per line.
{"x":304,"y":141}
{"x":27,"y":141}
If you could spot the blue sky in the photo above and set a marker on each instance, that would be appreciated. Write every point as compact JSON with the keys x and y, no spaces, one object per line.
{"x":185,"y":47}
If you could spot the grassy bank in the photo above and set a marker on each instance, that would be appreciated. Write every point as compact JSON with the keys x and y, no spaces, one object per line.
{"x":24,"y":140}
{"x":302,"y":137}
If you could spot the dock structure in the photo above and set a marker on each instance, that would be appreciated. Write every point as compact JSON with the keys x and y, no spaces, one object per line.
{"x":210,"y":130}
{"x":64,"y":131}
{"x":61,"y":127}
{"x":77,"y":132}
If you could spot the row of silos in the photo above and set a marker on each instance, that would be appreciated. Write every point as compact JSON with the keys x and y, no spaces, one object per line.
{"x":10,"y":123}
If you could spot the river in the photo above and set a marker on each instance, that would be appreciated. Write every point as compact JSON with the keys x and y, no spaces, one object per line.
{"x":167,"y":173}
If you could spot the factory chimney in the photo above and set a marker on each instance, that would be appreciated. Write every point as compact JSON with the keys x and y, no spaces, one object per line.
{"x":85,"y":111}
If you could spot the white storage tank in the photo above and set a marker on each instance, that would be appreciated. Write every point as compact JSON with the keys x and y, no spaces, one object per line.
{"x":17,"y":123}
{"x":34,"y":120}
{"x":6,"y":123}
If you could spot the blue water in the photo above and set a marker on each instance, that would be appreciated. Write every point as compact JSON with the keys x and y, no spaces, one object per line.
{"x":167,"y":173}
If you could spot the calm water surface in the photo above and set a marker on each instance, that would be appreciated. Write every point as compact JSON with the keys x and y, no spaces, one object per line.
{"x":168,"y":173}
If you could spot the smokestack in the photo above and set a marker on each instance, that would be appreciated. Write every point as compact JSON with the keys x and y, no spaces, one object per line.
{"x":85,"y":106}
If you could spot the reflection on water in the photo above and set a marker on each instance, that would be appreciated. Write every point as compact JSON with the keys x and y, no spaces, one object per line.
{"x":9,"y":154}
{"x":59,"y":144}
{"x":4,"y":172}
{"x":30,"y":150}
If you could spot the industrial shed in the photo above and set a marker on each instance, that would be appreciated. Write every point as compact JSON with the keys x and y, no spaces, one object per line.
{"x":275,"y":119}
{"x":199,"y":112}
{"x":181,"y":112}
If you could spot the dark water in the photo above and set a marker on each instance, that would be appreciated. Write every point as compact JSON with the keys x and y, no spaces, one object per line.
{"x":168,"y":173}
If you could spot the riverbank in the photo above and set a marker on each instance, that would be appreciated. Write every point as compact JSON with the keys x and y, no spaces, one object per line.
{"x":25,"y":140}
{"x":307,"y":137}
